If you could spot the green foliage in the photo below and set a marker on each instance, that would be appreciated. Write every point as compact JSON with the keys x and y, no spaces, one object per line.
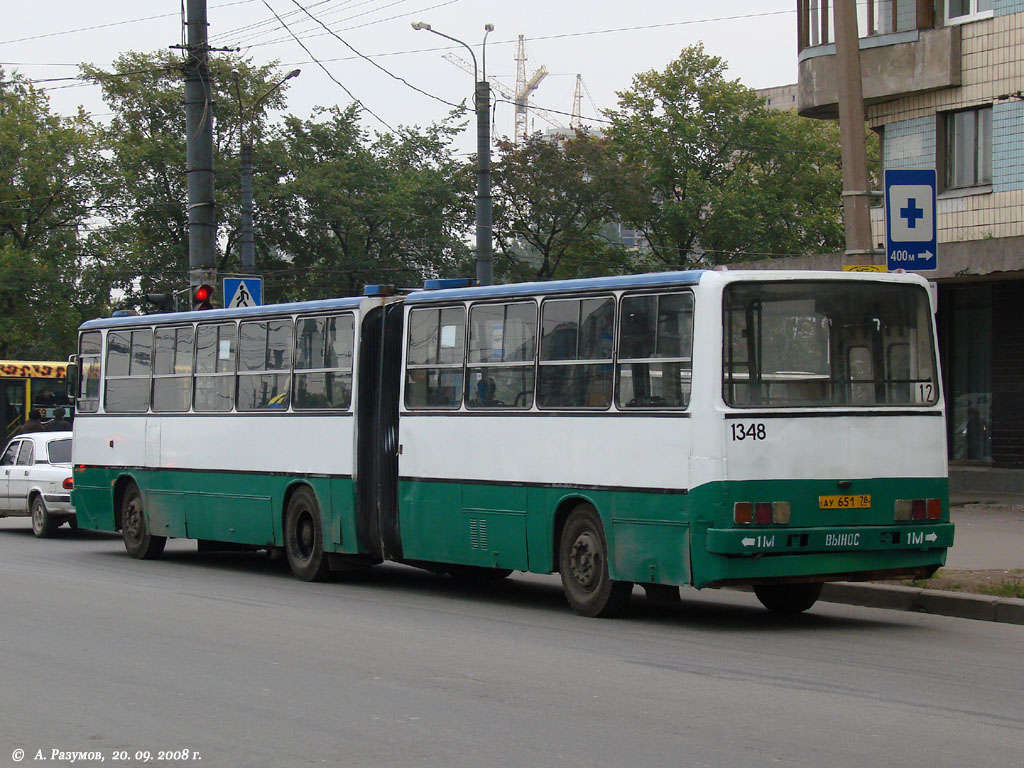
{"x":143,"y":188}
{"x":725,"y":178}
{"x":553,"y":201}
{"x":47,"y":165}
{"x":346,"y":210}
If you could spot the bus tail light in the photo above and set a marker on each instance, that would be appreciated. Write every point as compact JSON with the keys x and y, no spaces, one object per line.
{"x":918,"y":509}
{"x":68,"y":484}
{"x":761,"y":512}
{"x":742,"y":512}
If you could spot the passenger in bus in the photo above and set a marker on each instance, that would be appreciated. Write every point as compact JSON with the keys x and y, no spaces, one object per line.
{"x":34,"y":423}
{"x":58,"y":423}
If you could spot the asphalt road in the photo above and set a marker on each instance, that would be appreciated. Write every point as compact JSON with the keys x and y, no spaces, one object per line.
{"x":229,"y":657}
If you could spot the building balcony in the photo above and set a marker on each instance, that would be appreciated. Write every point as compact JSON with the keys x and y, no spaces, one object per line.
{"x":901,"y":53}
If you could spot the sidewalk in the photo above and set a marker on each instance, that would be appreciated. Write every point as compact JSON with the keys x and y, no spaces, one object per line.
{"x":989,"y":537}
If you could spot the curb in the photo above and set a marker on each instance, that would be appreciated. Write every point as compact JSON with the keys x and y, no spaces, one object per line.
{"x":963,"y":605}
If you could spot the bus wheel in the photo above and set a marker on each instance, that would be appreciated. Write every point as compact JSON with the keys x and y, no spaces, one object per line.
{"x":43,"y":524}
{"x":138,"y":541}
{"x":788,"y":598}
{"x":304,"y":537}
{"x":583,"y":563}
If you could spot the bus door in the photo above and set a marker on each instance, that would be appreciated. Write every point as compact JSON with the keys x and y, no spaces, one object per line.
{"x":380,"y":354}
{"x":12,"y":393}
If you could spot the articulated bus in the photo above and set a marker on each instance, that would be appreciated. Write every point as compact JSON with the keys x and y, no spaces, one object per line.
{"x":704,"y":428}
{"x":31,"y":385}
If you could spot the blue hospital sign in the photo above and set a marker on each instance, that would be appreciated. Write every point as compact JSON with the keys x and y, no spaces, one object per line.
{"x":910,"y":219}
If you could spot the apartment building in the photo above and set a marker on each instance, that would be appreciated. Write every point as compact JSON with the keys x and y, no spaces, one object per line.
{"x":943,"y":84}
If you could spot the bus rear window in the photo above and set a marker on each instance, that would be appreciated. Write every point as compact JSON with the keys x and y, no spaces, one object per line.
{"x":820,"y":343}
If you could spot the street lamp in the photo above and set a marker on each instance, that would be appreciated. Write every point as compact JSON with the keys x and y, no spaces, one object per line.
{"x":482,"y":104}
{"x":246,"y":244}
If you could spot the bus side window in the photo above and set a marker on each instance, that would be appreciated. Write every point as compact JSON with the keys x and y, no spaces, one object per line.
{"x":129,"y":357}
{"x":502,"y":347}
{"x":576,"y":353}
{"x":655,"y":351}
{"x":215,"y":367}
{"x":264,"y":362}
{"x":323,"y":362}
{"x":172,"y":369}
{"x":434,"y":358}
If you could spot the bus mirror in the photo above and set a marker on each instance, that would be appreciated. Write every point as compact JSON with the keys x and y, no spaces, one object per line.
{"x":72,"y":380}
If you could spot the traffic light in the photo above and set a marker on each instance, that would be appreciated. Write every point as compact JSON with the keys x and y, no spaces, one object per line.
{"x":202,"y":297}
{"x":163,"y":301}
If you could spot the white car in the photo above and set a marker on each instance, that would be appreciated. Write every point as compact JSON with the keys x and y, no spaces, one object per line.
{"x":35,"y":479}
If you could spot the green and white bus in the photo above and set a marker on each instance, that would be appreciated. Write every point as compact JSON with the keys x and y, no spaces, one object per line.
{"x":704,"y":428}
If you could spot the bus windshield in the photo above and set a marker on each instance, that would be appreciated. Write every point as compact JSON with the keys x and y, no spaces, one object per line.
{"x":819,"y":343}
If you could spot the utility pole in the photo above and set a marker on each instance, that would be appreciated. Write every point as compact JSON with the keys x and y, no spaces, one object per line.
{"x":482,"y":103}
{"x":202,"y":222}
{"x":484,"y":239}
{"x":246,"y":241}
{"x":856,"y":213}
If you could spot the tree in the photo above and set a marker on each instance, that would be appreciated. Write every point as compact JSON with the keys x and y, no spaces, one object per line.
{"x":47,"y":166}
{"x":348,"y":210}
{"x":144,"y":195}
{"x":553,"y":200}
{"x":726,"y":178}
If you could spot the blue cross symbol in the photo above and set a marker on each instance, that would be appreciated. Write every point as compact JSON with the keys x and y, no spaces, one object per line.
{"x":911,"y":213}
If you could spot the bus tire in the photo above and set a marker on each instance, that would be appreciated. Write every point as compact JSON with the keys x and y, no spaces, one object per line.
{"x":788,"y":598}
{"x":138,"y":541}
{"x":304,"y":537}
{"x":44,"y":526}
{"x":583,"y":564}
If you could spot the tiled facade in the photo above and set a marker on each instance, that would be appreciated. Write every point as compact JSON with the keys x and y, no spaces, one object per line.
{"x":992,"y":66}
{"x":980,"y":228}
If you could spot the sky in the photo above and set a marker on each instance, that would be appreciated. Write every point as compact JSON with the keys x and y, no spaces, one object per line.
{"x":606,"y":42}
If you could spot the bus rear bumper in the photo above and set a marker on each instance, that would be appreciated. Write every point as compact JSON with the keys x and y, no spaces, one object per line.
{"x":739,"y":542}
{"x":731,"y":556}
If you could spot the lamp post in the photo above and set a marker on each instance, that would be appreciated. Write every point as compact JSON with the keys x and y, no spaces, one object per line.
{"x":482,"y":104}
{"x":246,"y":243}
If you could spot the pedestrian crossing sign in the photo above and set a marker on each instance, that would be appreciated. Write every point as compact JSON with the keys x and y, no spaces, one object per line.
{"x":243,"y":292}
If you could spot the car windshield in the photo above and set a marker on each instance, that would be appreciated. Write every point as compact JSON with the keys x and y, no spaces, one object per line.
{"x":59,"y":451}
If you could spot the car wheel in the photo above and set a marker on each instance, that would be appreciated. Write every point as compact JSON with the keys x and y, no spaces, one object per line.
{"x":304,"y":537}
{"x":788,"y":598}
{"x":138,"y":541}
{"x":583,"y":563}
{"x":44,"y":526}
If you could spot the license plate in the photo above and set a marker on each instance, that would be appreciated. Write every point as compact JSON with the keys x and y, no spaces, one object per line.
{"x":858,"y":501}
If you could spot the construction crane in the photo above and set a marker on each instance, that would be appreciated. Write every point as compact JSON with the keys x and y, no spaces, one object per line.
{"x":525,"y":87}
{"x":521,"y":96}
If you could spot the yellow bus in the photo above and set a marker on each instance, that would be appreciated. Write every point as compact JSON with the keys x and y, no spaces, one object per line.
{"x":28,"y":384}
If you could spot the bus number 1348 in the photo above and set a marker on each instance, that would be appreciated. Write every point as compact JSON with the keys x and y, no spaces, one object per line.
{"x":752,"y":431}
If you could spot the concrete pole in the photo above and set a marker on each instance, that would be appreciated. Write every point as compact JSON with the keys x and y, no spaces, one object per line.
{"x":484,"y":240}
{"x":202,"y":223}
{"x":246,"y":243}
{"x":856,"y":212}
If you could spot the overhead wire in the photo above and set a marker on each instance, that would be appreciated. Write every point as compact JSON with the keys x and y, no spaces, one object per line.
{"x":375,"y":64}
{"x":328,"y":72}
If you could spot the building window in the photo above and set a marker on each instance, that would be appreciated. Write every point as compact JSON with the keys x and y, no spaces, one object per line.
{"x":959,"y":11}
{"x":968,"y":148}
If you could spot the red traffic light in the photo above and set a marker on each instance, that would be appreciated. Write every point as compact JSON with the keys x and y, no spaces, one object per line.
{"x":202,"y":297}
